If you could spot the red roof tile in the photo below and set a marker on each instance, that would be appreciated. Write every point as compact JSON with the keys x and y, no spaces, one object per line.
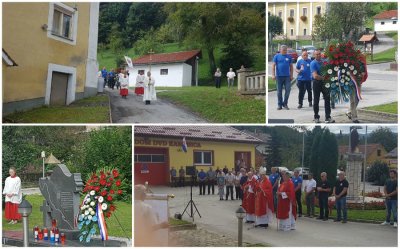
{"x":167,"y":57}
{"x":389,"y":14}
{"x":221,"y":133}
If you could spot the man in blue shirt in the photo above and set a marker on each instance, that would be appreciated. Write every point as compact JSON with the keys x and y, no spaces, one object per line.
{"x":104,"y":75}
{"x":202,"y":176}
{"x":274,"y":179}
{"x":282,"y":72}
{"x":298,"y":181}
{"x":318,"y":88}
{"x":304,"y":79}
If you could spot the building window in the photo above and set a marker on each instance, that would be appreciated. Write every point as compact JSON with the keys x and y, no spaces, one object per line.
{"x":62,"y":23}
{"x":163,"y":71}
{"x":280,"y":13}
{"x":140,"y":71}
{"x":394,"y":22}
{"x":291,"y":13}
{"x":149,"y":158}
{"x":378,"y":152}
{"x":382,"y":23}
{"x":305,"y":32}
{"x":318,"y":10}
{"x":203,"y":157}
{"x":304,"y":11}
{"x":291,"y":32}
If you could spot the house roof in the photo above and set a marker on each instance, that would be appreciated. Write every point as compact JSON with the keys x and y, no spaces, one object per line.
{"x":371,"y":148}
{"x":219,"y":133}
{"x":368,"y":38}
{"x":260,"y":135}
{"x":389,"y":14}
{"x":167,"y":57}
{"x":392,"y":153}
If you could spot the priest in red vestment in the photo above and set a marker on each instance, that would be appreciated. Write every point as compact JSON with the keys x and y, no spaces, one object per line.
{"x":264,"y":204}
{"x":286,"y":210}
{"x":249,"y":198}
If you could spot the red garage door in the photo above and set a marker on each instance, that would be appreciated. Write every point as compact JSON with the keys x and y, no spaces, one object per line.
{"x":151,"y":165}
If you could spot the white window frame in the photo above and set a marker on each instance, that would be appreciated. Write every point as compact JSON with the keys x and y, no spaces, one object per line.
{"x":202,"y":157}
{"x":151,"y":158}
{"x":290,"y":13}
{"x":71,"y":71}
{"x":291,"y":32}
{"x":382,"y":23}
{"x":305,"y":8}
{"x":74,"y":22}
{"x":394,"y":22}
{"x":304,"y":32}
{"x":280,"y":13}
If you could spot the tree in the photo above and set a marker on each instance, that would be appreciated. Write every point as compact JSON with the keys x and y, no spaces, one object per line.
{"x":324,"y":155}
{"x":111,"y":13}
{"x":384,"y":136}
{"x":378,"y":173}
{"x":342,"y":21}
{"x":117,"y":43}
{"x":275,"y":26}
{"x":273,"y":158}
{"x":147,"y":43}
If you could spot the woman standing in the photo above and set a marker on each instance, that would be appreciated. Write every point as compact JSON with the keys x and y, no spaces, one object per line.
{"x":13,"y":196}
{"x":139,"y":88}
{"x":124,"y":82}
{"x":221,"y":185}
{"x":217,"y":76}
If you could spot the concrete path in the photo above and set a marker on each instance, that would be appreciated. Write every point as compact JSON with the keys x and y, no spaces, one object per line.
{"x":380,"y":88}
{"x":385,"y":43}
{"x":219,"y":217}
{"x":133,"y":110}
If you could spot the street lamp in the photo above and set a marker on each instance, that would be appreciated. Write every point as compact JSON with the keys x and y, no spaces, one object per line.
{"x":43,"y":155}
{"x":25,"y":209}
{"x":240,"y":214}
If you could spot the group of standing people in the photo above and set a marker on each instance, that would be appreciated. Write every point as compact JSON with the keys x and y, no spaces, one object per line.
{"x":310,"y":80}
{"x":229,"y":75}
{"x":145,"y":86}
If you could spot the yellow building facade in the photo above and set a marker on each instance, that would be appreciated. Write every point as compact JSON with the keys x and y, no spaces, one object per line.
{"x":155,"y":155}
{"x":297,"y":17}
{"x":53,"y":47}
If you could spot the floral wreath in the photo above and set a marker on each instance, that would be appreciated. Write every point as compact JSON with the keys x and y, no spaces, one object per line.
{"x":342,"y":71}
{"x":98,"y":204}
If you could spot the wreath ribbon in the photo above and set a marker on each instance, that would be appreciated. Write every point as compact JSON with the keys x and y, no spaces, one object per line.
{"x":102,"y":223}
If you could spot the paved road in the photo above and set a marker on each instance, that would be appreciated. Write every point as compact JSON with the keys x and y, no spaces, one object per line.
{"x":219,"y":217}
{"x":385,"y":42}
{"x":133,"y":110}
{"x":380,"y":88}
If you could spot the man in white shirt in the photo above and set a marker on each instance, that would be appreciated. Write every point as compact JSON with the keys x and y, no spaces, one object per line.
{"x":231,"y":77}
{"x":309,"y":189}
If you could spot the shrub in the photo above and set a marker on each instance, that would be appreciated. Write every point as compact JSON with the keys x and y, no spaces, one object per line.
{"x":303,"y":18}
{"x":378,"y":173}
{"x":375,"y":194}
{"x":290,"y":19}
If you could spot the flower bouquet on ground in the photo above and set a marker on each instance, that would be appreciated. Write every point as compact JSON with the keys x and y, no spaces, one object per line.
{"x":342,"y":71}
{"x":100,"y":191}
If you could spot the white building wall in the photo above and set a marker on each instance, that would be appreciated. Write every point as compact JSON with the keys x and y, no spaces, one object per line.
{"x":177,"y":74}
{"x":388,"y":26}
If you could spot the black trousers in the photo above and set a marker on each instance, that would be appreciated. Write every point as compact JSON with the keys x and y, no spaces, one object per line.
{"x":229,"y":189}
{"x":237,"y":192}
{"x":210,"y":185}
{"x":304,"y":85}
{"x":323,"y":207}
{"x":298,"y":200}
{"x":218,"y":82}
{"x":173,"y":181}
{"x":181,"y":182}
{"x":202,"y":187}
{"x":318,"y":88}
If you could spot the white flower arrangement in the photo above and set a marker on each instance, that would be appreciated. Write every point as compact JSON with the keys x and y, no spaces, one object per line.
{"x":327,"y":85}
{"x":351,"y":67}
{"x":341,"y":80}
{"x":104,"y":206}
{"x":329,"y":71}
{"x":345,"y":64}
{"x":336,"y":68}
{"x":343,"y":70}
{"x":86,"y":213}
{"x":92,"y":203}
{"x":92,"y":213}
{"x":90,"y":217}
{"x":100,"y":199}
{"x":92,"y":192}
{"x":348,"y":73}
{"x":355,"y":72}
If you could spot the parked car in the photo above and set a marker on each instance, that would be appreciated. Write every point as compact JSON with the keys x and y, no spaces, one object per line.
{"x":310,"y":50}
{"x":292,"y":53}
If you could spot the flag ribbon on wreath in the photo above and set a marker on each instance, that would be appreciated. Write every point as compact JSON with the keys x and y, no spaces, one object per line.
{"x":340,"y":87}
{"x":358,"y":93}
{"x":101,"y":222}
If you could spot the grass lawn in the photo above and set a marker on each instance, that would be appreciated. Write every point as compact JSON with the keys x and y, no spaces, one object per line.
{"x":218,"y":105}
{"x":90,"y":110}
{"x":388,"y":108}
{"x":384,"y":56}
{"x":271,"y":84}
{"x":124,"y":213}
